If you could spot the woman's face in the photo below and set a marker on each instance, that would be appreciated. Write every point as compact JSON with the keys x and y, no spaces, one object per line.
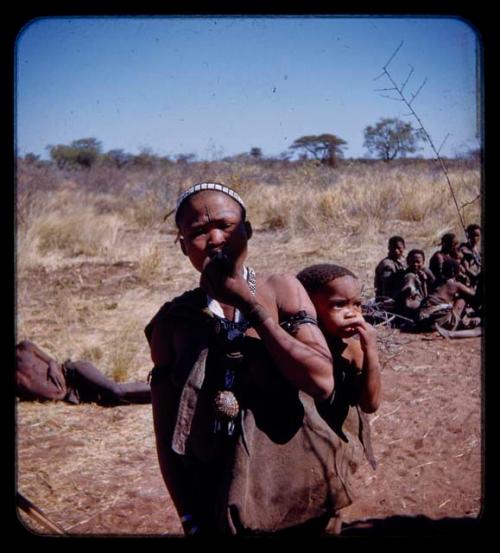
{"x":212,"y":222}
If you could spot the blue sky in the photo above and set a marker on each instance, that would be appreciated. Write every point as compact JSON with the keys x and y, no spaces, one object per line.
{"x":218,"y":86}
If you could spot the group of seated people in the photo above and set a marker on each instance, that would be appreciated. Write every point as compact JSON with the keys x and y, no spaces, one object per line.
{"x":445,"y":296}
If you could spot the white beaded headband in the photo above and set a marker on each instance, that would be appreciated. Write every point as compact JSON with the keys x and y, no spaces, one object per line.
{"x":208,"y":186}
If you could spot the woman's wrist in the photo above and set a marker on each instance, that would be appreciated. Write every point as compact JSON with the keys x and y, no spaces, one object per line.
{"x":255,"y":314}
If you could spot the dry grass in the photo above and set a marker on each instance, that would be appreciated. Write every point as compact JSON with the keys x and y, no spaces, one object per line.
{"x":123,"y":351}
{"x":95,"y":262}
{"x":102,"y":257}
{"x":151,"y":261}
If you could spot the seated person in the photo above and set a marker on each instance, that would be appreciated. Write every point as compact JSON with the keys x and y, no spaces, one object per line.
{"x":446,"y":304}
{"x":418,"y":280}
{"x":471,"y":253}
{"x":449,"y":250}
{"x":39,"y":377}
{"x":389,"y":271}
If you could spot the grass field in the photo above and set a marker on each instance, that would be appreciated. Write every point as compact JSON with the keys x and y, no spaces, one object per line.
{"x":96,"y":259}
{"x":74,"y":226}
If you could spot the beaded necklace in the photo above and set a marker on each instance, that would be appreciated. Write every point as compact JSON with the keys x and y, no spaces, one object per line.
{"x":225,"y":403}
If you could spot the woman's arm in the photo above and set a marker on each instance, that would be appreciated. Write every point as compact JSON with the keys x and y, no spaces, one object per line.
{"x":304,"y":357}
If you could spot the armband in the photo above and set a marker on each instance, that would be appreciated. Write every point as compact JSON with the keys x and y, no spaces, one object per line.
{"x":292,"y":323}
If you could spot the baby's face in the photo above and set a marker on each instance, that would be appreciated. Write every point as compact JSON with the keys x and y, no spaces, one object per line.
{"x":338,"y":306}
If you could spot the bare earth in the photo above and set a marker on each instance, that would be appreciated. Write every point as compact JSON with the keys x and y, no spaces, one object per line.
{"x":93,"y":470}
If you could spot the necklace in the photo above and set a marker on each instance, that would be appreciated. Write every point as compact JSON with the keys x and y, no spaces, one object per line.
{"x":225,"y":404}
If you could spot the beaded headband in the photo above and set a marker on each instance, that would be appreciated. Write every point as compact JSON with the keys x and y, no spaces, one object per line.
{"x":208,"y":186}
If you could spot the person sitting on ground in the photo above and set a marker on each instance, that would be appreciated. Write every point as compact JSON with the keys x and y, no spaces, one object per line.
{"x":418,"y":281}
{"x":40,"y":377}
{"x":446,"y":305}
{"x":335,"y":292}
{"x":239,"y":363}
{"x":471,"y":252}
{"x":449,"y":250}
{"x":389,"y":271}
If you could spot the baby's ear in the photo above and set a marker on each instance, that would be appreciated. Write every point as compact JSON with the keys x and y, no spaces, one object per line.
{"x":249,"y":229}
{"x":182,"y":245}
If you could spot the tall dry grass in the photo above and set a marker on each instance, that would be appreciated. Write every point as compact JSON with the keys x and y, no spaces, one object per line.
{"x":95,"y":214}
{"x":302,"y":214}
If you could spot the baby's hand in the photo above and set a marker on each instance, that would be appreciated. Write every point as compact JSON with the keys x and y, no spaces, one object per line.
{"x":367,"y":334}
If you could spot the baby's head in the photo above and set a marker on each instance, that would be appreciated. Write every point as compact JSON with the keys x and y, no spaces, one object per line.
{"x":336,"y":294}
{"x":211,"y":219}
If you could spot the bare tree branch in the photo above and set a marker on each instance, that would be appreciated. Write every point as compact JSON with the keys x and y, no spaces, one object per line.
{"x":407,"y":78}
{"x":413,"y":96}
{"x":390,"y":97}
{"x":408,"y":103}
{"x":442,"y":143}
{"x":393,"y":55}
{"x":471,"y":202}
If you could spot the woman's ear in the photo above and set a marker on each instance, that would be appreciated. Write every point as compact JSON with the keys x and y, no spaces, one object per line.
{"x":249,"y":229}
{"x":183,"y":246}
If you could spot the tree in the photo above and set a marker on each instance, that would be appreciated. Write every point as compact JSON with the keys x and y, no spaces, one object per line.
{"x":31,"y":158}
{"x":145,"y":158}
{"x":326,"y":148}
{"x":256,"y":153}
{"x":117,"y":158}
{"x":83,"y":152}
{"x":391,"y":137}
{"x":184,"y":159}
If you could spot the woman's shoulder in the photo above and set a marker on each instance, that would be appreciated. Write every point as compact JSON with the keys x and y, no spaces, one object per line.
{"x":188,"y":306}
{"x":286,"y":291}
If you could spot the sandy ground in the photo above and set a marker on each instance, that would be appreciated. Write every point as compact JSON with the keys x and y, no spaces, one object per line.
{"x":93,"y":470}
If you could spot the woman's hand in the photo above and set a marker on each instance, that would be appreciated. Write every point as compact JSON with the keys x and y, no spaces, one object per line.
{"x":223,"y":281}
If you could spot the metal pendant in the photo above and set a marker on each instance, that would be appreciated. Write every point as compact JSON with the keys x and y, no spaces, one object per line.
{"x":226,"y":409}
{"x":226,"y":405}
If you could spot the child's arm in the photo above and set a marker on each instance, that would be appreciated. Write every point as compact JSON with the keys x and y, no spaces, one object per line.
{"x":367,"y":360}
